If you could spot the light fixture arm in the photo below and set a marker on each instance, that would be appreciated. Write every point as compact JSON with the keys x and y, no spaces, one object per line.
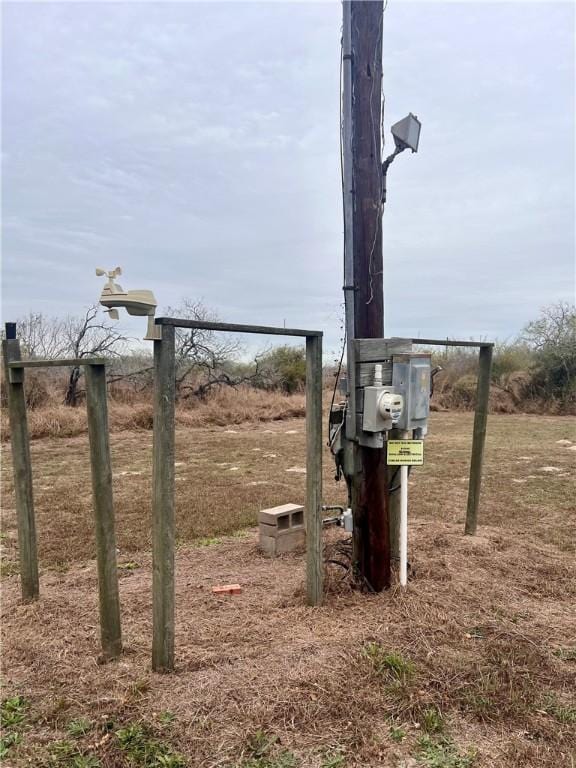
{"x":385,"y":165}
{"x":406,"y":134}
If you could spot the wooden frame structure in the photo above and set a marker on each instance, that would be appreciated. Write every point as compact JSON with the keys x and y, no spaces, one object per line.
{"x":97,"y":408}
{"x":480,"y":420}
{"x":163,"y":481}
{"x":163,"y":485}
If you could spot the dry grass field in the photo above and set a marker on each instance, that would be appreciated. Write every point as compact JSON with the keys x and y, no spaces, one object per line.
{"x":223,"y":407}
{"x":473,"y":665}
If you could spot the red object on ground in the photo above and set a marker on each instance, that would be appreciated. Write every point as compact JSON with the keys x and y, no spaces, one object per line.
{"x":227,"y":589}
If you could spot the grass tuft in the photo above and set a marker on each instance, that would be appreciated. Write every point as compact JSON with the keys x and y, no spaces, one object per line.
{"x":442,"y":753}
{"x":265,"y":753}
{"x":397,"y":734}
{"x":207,"y":542}
{"x":79,"y":727}
{"x":432,"y":720}
{"x":143,"y":749}
{"x":333,"y":759}
{"x":13,"y":715}
{"x":566,"y":654}
{"x":13,"y":711}
{"x":388,"y":665}
{"x":7,"y":740}
{"x":565,"y":714}
{"x":166,"y":718}
{"x":9,"y":568}
{"x":65,"y":754}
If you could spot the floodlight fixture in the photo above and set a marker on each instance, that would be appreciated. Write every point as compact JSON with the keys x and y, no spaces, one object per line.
{"x":406,"y":133}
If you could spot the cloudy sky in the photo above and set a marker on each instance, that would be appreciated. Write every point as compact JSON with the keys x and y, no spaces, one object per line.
{"x":196,"y":145}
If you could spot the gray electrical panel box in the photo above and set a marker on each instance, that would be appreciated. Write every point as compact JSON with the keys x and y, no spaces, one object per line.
{"x":411,"y":379}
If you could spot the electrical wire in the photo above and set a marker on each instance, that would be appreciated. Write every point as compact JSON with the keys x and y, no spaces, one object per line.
{"x":380,"y":208}
{"x":338,"y":372}
{"x":336,"y":378}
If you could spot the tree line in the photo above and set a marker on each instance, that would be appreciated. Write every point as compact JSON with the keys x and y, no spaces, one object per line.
{"x":539,"y":365}
{"x":205,"y":359}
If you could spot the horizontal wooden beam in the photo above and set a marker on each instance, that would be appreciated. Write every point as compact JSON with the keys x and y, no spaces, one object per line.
{"x":380,"y":350}
{"x":452,"y":343}
{"x":62,"y":363}
{"x":235,"y":327}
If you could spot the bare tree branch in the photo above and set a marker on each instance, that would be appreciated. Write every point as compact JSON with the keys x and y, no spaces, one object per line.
{"x":199,"y":352}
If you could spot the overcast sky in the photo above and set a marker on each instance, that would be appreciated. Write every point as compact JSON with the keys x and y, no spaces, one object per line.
{"x":196,"y":145}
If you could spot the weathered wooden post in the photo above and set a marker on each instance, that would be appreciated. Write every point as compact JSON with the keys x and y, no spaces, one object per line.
{"x":20,"y":444}
{"x":479,"y":437}
{"x":163,"y":503}
{"x":97,"y":409}
{"x":314,"y":561}
{"x":363,"y":188}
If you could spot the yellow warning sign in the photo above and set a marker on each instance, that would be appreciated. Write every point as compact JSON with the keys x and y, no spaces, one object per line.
{"x":410,"y":452}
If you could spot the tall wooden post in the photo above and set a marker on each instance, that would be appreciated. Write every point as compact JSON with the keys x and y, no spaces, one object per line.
{"x":97,"y":409}
{"x":20,"y":445}
{"x":314,"y":560}
{"x":370,"y":483}
{"x":163,"y":503}
{"x":478,"y":437}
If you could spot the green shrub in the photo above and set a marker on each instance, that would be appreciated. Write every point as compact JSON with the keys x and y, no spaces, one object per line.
{"x":464,"y":391}
{"x":284,"y":368}
{"x":510,"y":358}
{"x":553,"y":340}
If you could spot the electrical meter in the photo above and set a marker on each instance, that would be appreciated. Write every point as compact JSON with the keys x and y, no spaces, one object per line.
{"x":382,"y":408}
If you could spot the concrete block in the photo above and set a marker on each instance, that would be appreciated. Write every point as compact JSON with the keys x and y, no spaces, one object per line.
{"x":297,"y":518}
{"x":267,"y":545}
{"x":290,"y":541}
{"x":271,"y":530}
{"x":282,"y":542}
{"x":281,"y":516}
{"x":268,"y":530}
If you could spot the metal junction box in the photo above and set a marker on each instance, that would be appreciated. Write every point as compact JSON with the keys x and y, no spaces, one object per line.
{"x":411,"y":378}
{"x":388,"y":367}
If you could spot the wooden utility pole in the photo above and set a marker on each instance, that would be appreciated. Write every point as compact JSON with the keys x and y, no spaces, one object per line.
{"x":363,"y":193}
